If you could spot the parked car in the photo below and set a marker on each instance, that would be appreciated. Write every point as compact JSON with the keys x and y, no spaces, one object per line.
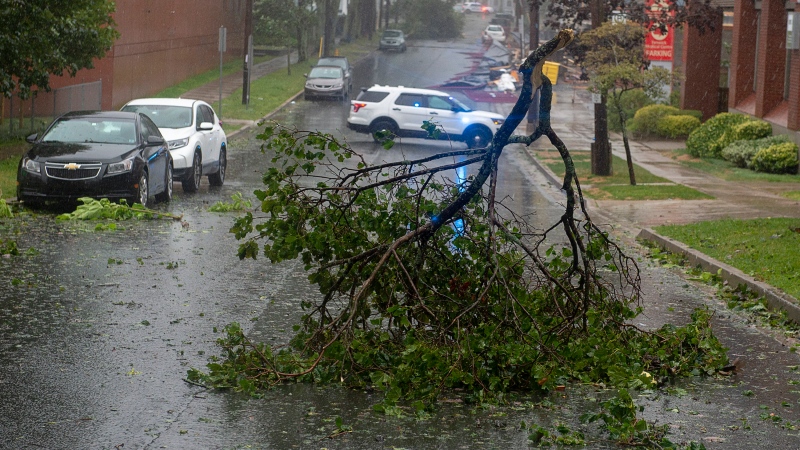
{"x":342,"y":62}
{"x":504,"y":19}
{"x":401,"y":111}
{"x":101,"y":154}
{"x":471,"y":7}
{"x":392,"y":40}
{"x":197,"y":142}
{"x":326,"y":82}
{"x":493,"y":33}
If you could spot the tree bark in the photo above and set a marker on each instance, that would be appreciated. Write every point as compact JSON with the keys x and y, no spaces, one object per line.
{"x":601,"y":149}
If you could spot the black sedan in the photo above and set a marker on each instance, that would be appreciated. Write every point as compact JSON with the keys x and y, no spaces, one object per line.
{"x":100,"y":154}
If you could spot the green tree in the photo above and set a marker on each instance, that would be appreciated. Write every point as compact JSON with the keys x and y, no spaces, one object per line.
{"x":285,"y":23}
{"x":614,"y":57}
{"x":50,"y":37}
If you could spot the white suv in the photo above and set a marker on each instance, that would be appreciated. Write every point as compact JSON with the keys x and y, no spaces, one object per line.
{"x":196,"y":140}
{"x":401,"y":111}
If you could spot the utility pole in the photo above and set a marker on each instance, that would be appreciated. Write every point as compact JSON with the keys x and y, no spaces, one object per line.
{"x":533,"y":38}
{"x":248,"y":42}
{"x":601,"y":147}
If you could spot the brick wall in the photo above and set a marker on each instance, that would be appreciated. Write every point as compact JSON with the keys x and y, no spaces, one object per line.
{"x":743,"y":52}
{"x":701,"y":68}
{"x":771,"y":66}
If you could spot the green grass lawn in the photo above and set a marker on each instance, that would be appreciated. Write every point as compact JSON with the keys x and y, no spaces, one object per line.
{"x":727,"y":171}
{"x":8,"y":177}
{"x":617,"y":186}
{"x":767,"y":249}
{"x":792,"y":195}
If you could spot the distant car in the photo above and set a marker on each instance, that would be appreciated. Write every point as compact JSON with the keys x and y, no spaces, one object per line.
{"x":326,"y":82}
{"x":197,"y":142}
{"x":100,"y":154}
{"x":471,"y":7}
{"x":401,"y":111}
{"x":494,"y":33}
{"x":504,"y":19}
{"x":392,"y":40}
{"x":342,"y":62}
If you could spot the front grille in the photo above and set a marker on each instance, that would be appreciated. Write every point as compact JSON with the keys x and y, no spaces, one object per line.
{"x":72,"y":171}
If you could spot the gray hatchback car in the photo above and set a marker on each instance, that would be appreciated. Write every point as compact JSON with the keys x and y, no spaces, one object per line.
{"x":392,"y":40}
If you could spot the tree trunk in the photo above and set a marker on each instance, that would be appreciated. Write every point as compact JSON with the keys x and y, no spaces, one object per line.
{"x":329,"y":18}
{"x":601,"y":150}
{"x":622,"y":119}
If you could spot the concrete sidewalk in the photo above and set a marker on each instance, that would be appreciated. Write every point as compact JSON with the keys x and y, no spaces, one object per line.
{"x":573,"y":120}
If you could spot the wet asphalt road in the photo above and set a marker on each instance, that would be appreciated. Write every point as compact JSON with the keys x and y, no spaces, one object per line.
{"x":97,"y":329}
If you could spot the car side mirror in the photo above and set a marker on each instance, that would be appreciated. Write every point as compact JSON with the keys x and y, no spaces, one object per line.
{"x":32,"y":138}
{"x":205,"y":126}
{"x":456,"y":109}
{"x":305,"y":75}
{"x":153,"y":141}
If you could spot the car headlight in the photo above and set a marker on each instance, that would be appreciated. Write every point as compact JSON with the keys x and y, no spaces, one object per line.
{"x":498,"y":121}
{"x":337,"y":86}
{"x":122,"y":166}
{"x":31,"y":165}
{"x":178,"y":143}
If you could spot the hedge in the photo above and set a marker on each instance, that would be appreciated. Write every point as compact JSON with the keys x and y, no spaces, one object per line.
{"x":777,"y":158}
{"x":645,"y":121}
{"x":711,"y":137}
{"x":740,"y":153}
{"x":677,"y":126}
{"x":752,"y":129}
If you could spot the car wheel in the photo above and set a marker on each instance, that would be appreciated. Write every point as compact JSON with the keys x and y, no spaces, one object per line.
{"x":143,"y":193}
{"x":166,"y":195}
{"x":380,"y":128}
{"x":192,"y":183}
{"x":403,"y":49}
{"x":478,"y":137}
{"x":216,"y":179}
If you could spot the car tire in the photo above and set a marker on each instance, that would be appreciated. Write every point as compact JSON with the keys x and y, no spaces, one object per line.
{"x":217,"y":178}
{"x":192,"y":182}
{"x":478,"y":137}
{"x":403,"y":49}
{"x":383,"y":125}
{"x":143,"y":192}
{"x":166,"y":195}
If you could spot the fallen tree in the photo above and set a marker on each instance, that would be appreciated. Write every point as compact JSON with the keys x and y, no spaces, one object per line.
{"x":428,"y":284}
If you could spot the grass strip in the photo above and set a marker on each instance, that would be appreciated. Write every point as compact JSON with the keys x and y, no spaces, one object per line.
{"x":617,"y":186}
{"x":8,"y":177}
{"x":727,"y":171}
{"x":766,"y":249}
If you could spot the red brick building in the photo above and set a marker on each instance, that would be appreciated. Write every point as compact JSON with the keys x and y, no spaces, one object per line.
{"x":161,"y":43}
{"x":763,"y":76}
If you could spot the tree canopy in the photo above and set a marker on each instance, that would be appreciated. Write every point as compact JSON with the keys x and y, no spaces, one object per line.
{"x":40,"y":38}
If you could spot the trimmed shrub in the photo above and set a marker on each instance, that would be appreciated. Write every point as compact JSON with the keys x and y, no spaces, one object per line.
{"x":645,"y":121}
{"x":677,"y":126}
{"x":691,"y":112}
{"x":710,"y":138}
{"x":777,"y":158}
{"x":752,"y":129}
{"x":631,"y":101}
{"x":740,"y":153}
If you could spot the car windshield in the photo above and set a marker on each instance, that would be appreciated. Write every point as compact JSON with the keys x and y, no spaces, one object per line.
{"x":165,"y":116}
{"x":392,"y":33}
{"x":325,"y":72}
{"x":103,"y":131}
{"x":340,"y":62}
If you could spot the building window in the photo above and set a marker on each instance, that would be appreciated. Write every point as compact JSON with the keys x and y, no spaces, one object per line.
{"x":727,"y":19}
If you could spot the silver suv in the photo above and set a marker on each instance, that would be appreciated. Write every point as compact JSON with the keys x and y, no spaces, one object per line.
{"x":401,"y":111}
{"x":392,"y":40}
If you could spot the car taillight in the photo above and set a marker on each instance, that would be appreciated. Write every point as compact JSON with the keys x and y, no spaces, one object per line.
{"x":357,"y":106}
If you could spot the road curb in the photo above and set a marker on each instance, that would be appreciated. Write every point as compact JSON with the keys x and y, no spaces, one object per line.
{"x":269,"y":114}
{"x":733,"y":276}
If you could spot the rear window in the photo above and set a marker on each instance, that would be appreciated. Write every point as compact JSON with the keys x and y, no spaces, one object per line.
{"x":371,"y":96}
{"x":495,"y":28}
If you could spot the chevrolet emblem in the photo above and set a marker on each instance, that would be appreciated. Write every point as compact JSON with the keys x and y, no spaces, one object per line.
{"x":72,"y":166}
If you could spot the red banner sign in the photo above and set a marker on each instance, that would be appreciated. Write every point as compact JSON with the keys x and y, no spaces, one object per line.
{"x":658,"y":44}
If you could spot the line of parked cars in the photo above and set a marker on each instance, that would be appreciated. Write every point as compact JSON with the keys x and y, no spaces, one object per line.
{"x":134,"y":154}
